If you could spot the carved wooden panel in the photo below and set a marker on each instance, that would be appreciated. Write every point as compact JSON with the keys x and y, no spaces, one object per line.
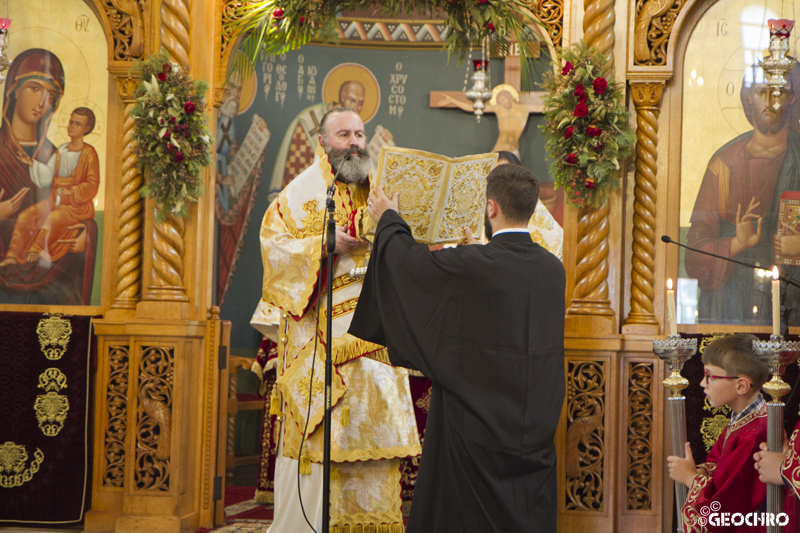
{"x":117,"y":421}
{"x":639,"y":436}
{"x":154,"y":418}
{"x":585,"y":446}
{"x":127,"y":27}
{"x":551,"y":14}
{"x":654,"y":22}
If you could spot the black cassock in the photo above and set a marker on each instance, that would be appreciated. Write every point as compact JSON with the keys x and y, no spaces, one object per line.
{"x":486,"y":325}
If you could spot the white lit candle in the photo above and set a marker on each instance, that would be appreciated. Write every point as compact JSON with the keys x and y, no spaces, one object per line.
{"x":776,"y":301}
{"x":671,"y":322}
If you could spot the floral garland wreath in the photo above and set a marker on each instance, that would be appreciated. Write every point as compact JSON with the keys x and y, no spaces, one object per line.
{"x":172,"y":138}
{"x":278,"y":26}
{"x":586,"y":128}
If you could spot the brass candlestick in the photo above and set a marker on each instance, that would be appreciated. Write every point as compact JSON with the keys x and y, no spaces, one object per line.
{"x":675,"y":351}
{"x":776,"y":353}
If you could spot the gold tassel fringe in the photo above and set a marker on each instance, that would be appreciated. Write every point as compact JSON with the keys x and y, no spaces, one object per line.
{"x":345,"y":412}
{"x":275,"y":402}
{"x":359,"y":348}
{"x":305,"y":465}
{"x":395,"y":527}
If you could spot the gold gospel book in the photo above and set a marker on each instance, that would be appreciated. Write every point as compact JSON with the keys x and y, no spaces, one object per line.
{"x":788,"y":215}
{"x":439,"y":195}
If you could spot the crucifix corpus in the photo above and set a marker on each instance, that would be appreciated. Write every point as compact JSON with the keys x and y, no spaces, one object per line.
{"x":511,"y":107}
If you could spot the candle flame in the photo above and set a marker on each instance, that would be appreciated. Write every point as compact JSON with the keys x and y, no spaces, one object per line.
{"x":669,"y":284}
{"x":775,"y":274}
{"x":755,"y":309}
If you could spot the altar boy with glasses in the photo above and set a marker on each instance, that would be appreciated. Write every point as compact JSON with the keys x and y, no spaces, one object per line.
{"x":733,"y":377}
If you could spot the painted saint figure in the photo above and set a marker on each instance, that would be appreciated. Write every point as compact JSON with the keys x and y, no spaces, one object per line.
{"x":736,"y":211}
{"x":50,"y":228}
{"x":33,"y":90}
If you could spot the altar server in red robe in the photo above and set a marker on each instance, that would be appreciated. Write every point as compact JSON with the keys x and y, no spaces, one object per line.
{"x":726,"y":482}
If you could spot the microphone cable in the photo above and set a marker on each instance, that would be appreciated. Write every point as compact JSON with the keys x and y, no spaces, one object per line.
{"x":311,"y":379}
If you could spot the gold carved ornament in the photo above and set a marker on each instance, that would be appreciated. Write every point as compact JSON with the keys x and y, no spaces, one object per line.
{"x":585,"y":446}
{"x":653,"y":27}
{"x":154,"y":418}
{"x":117,"y":422}
{"x":13,"y":458}
{"x":54,"y":333}
{"x":127,"y":27}
{"x":640,"y":427}
{"x":51,"y":408}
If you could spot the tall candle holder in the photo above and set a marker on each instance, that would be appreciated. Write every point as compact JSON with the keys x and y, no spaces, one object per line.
{"x":675,"y":351}
{"x":777,"y":353}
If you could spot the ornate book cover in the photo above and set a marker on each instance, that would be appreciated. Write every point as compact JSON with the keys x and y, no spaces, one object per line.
{"x":788,"y":215}
{"x":439,"y":195}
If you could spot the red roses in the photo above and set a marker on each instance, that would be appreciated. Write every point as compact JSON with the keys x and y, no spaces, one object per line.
{"x":188,"y":107}
{"x":572,"y":159}
{"x":591,"y":131}
{"x":277,"y":14}
{"x":581,"y":110}
{"x":600,"y":85}
{"x":567,"y":69}
{"x":568,"y":132}
{"x":162,"y":76}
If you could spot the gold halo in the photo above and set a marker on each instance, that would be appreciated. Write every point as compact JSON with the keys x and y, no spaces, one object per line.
{"x":248,"y":95}
{"x":500,"y":88}
{"x":353,"y":72}
{"x":249,"y":85}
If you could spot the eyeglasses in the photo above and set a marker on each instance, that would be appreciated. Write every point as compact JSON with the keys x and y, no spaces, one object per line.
{"x":710,"y":376}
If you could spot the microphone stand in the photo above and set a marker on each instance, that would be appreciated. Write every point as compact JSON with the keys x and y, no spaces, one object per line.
{"x":330,"y":246}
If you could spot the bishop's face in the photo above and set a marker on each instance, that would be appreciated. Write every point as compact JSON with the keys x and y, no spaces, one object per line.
{"x":766,"y":118}
{"x":346,"y":138}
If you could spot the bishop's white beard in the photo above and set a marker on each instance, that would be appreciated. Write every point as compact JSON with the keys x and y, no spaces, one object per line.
{"x":354,"y":170}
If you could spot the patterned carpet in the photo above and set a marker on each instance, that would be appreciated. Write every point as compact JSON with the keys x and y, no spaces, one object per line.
{"x":242,"y":513}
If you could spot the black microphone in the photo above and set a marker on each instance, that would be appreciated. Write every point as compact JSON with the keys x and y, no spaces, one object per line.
{"x":330,"y":243}
{"x":667,"y":239}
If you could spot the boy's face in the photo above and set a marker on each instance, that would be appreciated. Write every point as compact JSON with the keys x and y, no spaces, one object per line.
{"x":78,"y":124}
{"x":720,"y":388}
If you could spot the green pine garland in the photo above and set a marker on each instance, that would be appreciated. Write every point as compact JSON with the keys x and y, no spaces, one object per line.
{"x":278,"y":26}
{"x":586,"y":131}
{"x":172,"y":138}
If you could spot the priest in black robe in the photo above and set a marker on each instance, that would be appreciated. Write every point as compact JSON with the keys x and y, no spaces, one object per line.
{"x":485,"y":323}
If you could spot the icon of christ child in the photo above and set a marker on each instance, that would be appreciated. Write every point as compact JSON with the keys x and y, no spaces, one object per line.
{"x":50,"y":228}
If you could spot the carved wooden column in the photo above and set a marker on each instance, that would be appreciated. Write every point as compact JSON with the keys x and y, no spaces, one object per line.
{"x":129,"y":264}
{"x":647,"y":99}
{"x":590,"y":295}
{"x":165,"y":276}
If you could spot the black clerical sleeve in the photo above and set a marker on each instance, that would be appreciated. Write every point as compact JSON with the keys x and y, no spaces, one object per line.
{"x":403,"y":299}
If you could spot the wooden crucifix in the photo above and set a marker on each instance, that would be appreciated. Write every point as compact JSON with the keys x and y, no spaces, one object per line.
{"x":511,"y":107}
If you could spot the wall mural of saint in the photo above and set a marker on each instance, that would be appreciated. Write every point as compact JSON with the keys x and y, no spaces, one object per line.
{"x":238,"y":177}
{"x":52,"y":157}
